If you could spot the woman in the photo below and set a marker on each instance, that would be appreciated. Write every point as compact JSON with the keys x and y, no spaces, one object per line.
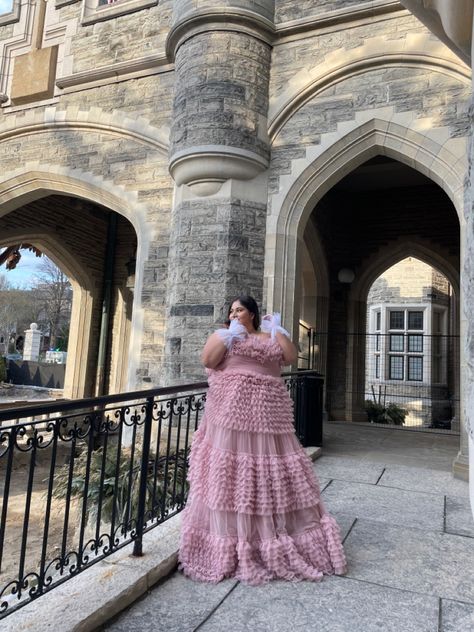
{"x":254,"y":510}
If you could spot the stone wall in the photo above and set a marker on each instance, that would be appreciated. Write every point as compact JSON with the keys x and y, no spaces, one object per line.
{"x":410,"y":281}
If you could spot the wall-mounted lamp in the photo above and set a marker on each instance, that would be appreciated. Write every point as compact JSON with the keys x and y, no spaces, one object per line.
{"x":345,"y":275}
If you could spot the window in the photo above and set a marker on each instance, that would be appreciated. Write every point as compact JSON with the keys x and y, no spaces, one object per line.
{"x":9,"y":11}
{"x":415,"y":320}
{"x":397,"y":320}
{"x":415,"y":343}
{"x":377,"y":321}
{"x":6,"y":6}
{"x":395,"y":367}
{"x":415,"y":369}
{"x":405,"y":349}
{"x":396,"y":342}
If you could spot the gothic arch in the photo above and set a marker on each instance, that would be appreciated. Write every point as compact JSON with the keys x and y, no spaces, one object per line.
{"x":420,"y":51}
{"x":21,"y":188}
{"x":444,"y":163}
{"x":395,"y":252}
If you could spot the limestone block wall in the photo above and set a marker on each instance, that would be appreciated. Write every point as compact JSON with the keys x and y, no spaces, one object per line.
{"x":409,"y":281}
{"x":287,"y":10}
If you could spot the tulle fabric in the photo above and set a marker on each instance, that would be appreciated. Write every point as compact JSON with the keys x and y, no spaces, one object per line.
{"x":254,"y":510}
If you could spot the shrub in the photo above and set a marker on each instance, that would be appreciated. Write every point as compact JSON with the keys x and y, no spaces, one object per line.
{"x":125,"y":497}
{"x":378,"y":413}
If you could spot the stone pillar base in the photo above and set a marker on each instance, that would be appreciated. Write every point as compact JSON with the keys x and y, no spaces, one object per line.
{"x":461,"y":467}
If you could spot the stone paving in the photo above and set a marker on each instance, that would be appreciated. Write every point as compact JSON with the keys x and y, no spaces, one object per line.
{"x":409,"y":540}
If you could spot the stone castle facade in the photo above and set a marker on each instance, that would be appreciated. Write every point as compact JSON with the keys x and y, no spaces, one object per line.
{"x":172,"y":154}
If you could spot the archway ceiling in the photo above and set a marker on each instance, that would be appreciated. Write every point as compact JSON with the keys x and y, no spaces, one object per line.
{"x":380,"y":173}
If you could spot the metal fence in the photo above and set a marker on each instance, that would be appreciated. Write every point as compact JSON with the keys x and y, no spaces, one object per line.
{"x":405,"y":379}
{"x":79,"y":480}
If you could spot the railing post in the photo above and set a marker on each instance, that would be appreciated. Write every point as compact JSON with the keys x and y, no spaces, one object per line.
{"x":137,"y":547}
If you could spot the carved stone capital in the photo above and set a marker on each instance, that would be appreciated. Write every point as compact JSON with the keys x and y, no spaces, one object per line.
{"x":220,"y":19}
{"x":206,"y":168}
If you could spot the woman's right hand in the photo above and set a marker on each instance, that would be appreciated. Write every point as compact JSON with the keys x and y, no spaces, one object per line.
{"x":220,"y":341}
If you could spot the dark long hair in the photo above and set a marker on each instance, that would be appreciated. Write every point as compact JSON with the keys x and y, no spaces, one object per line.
{"x":249,"y":303}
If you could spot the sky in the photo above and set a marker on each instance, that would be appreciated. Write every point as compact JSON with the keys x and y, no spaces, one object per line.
{"x":23,"y":275}
{"x":5,"y":6}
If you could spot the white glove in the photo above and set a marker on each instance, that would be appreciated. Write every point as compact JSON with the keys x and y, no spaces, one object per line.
{"x":271,"y":324}
{"x":235,"y":331}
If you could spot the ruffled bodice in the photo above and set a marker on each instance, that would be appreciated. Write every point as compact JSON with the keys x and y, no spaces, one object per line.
{"x":254,"y":510}
{"x":256,"y":354}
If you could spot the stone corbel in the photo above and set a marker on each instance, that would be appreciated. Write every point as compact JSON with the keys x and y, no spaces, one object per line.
{"x":204,"y":169}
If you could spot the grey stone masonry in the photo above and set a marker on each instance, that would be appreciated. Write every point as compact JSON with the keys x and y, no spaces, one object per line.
{"x":217,"y":253}
{"x":221,"y":92}
{"x":184,"y":7}
{"x":286,"y":10}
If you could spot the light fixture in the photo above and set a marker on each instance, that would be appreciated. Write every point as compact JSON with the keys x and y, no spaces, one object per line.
{"x":345,"y":275}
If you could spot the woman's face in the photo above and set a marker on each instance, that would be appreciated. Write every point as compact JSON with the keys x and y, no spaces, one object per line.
{"x":242,"y":314}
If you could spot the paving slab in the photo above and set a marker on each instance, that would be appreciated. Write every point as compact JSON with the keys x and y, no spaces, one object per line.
{"x":436,"y":564}
{"x":386,"y":505}
{"x":177,"y":605}
{"x":459,"y":520}
{"x":345,"y":469}
{"x":323,"y":482}
{"x":456,"y":617}
{"x":334,"y":605}
{"x":390,"y":445}
{"x":424,"y":480}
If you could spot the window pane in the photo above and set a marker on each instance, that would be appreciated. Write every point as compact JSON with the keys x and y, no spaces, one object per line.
{"x":6,"y":6}
{"x":396,"y":342}
{"x":377,"y":342}
{"x":415,"y":342}
{"x":415,"y":320}
{"x":377,"y":321}
{"x":396,"y":367}
{"x":415,"y":368}
{"x":377,"y":366}
{"x":397,"y":320}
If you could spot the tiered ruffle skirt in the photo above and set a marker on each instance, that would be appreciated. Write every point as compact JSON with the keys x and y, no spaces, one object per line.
{"x":254,"y":511}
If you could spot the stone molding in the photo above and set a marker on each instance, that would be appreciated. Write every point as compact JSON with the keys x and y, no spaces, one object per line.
{"x":91,"y":120}
{"x":142,"y":67}
{"x":418,"y":51}
{"x":362,"y":11}
{"x":92,"y":12}
{"x":220,"y":19}
{"x":205,"y":168}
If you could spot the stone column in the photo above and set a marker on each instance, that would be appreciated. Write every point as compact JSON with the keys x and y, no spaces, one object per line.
{"x":31,"y":347}
{"x":218,"y":159}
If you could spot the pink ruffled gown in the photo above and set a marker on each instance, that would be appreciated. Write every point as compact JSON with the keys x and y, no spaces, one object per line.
{"x":254,"y":510}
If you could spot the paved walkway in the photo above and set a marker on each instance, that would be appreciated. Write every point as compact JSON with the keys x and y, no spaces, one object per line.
{"x":409,"y":540}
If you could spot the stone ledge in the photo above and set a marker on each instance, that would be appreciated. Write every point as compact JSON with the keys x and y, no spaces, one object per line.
{"x":96,"y":595}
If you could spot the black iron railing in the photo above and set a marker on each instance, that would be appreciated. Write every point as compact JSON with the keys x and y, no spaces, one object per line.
{"x":81,"y":479}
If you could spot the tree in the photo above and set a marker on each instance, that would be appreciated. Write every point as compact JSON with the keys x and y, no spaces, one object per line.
{"x":52,"y":294}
